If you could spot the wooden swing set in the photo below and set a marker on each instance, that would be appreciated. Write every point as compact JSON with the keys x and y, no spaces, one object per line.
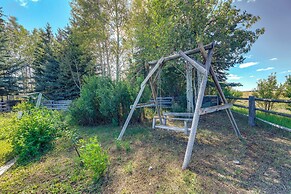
{"x":205,"y":70}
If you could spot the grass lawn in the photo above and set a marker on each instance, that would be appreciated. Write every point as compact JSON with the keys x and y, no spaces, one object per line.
{"x":276,"y":119}
{"x":6,"y":122}
{"x":149,"y":161}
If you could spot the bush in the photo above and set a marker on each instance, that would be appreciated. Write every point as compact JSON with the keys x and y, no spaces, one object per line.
{"x":35,"y":133}
{"x":102,"y":101}
{"x":93,"y":157}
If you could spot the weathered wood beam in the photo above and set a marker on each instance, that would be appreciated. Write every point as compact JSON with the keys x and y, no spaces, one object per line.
{"x":194,"y":63}
{"x":178,"y":129}
{"x":142,"y":87}
{"x":220,"y":92}
{"x":178,"y":114}
{"x":211,"y":109}
{"x":189,"y":52}
{"x":194,"y":125}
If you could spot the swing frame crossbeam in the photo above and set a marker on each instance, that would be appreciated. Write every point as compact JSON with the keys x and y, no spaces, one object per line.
{"x":206,"y":70}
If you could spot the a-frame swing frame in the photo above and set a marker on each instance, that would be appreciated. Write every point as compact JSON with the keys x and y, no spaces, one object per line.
{"x":205,"y":69}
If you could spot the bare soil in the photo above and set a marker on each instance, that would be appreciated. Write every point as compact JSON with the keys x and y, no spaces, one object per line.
{"x":221,"y":163}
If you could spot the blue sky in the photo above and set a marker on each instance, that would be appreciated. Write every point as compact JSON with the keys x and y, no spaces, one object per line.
{"x":37,"y":13}
{"x":271,"y":52}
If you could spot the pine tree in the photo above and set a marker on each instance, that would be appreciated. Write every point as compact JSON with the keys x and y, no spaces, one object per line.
{"x":8,"y":68}
{"x":46,"y":67}
{"x":74,"y":64}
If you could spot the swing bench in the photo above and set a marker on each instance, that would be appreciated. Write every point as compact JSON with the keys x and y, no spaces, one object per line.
{"x":163,"y":102}
{"x":205,"y":70}
{"x":185,"y":117}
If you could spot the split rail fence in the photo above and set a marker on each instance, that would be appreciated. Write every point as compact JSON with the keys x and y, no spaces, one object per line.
{"x":252,"y":107}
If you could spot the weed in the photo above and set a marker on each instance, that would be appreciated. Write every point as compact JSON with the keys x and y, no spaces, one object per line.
{"x":94,"y":157}
{"x":129,"y":168}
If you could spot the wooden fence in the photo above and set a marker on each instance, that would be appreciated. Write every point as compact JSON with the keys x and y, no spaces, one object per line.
{"x":252,"y":107}
{"x":4,"y":107}
{"x":57,"y":104}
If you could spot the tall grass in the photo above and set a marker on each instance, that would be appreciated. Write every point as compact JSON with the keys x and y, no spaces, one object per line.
{"x":279,"y":120}
{"x":6,"y":122}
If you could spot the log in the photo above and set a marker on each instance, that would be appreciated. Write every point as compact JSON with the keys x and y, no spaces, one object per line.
{"x":194,"y":63}
{"x":212,"y":109}
{"x":189,"y":52}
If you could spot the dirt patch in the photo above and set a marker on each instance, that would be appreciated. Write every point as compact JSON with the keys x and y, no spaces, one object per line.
{"x":220,"y":162}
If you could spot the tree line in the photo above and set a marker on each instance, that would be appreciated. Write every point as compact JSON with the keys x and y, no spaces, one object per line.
{"x":115,"y":39}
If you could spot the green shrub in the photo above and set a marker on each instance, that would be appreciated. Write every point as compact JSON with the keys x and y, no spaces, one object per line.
{"x":23,"y":106}
{"x":102,"y":101}
{"x":94,"y":157}
{"x":35,"y":133}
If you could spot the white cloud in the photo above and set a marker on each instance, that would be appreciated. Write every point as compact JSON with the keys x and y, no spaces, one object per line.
{"x":252,"y":76}
{"x":233,"y":77}
{"x":248,"y":56}
{"x":288,"y":71}
{"x":248,"y":64}
{"x":24,"y":3}
{"x":266,"y":69}
{"x":273,"y":59}
{"x":248,"y":1}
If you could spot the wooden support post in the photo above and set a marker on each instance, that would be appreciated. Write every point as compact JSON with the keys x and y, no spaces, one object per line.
{"x":194,"y":63}
{"x":142,"y":87}
{"x":252,"y":111}
{"x":189,"y":88}
{"x":194,"y":125}
{"x":221,"y":94}
{"x":186,"y":127}
{"x":38,"y":101}
{"x":154,"y":95}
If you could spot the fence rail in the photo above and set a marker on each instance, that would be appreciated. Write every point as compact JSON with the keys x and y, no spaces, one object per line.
{"x":4,"y":107}
{"x":57,"y":104}
{"x":252,"y":107}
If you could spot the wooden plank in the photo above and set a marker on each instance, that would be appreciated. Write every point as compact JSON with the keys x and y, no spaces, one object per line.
{"x":194,"y":125}
{"x":274,"y":112}
{"x":178,"y":114}
{"x":179,"y":119}
{"x":173,"y":128}
{"x":138,"y":97}
{"x":212,"y":109}
{"x":273,"y":100}
{"x":194,"y":63}
{"x":241,"y":106}
{"x":236,"y":98}
{"x":189,"y":52}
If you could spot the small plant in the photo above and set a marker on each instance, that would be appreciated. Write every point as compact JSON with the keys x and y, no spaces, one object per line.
{"x":34,"y":133}
{"x":127,"y":146}
{"x":128,"y":168}
{"x":94,"y":157}
{"x":123,"y":145}
{"x":118,"y":145}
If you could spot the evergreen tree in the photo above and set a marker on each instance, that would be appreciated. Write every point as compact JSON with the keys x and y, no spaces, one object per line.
{"x":46,"y":67}
{"x":74,"y":64}
{"x":8,"y":68}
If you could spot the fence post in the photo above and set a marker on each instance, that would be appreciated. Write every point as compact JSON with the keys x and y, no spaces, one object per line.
{"x":252,"y":111}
